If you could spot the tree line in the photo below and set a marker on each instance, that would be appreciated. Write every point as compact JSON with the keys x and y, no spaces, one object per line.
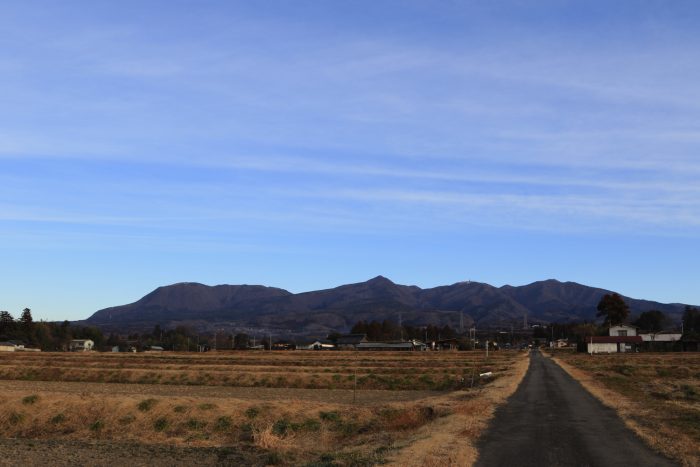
{"x":389,"y":330}
{"x":47,"y":336}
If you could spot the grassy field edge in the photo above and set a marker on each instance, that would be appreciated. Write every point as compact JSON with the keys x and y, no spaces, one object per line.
{"x":672,"y":444}
{"x":451,"y":441}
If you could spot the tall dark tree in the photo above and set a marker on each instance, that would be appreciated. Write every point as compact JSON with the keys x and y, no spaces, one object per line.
{"x":241,"y":341}
{"x":652,"y":321}
{"x":691,"y":322}
{"x":7,"y":323}
{"x":26,"y":322}
{"x":613,"y":308}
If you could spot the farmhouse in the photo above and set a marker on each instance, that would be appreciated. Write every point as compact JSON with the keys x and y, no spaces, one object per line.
{"x":81,"y":345}
{"x":350,"y":341}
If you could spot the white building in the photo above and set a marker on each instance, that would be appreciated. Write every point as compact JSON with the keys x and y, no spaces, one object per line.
{"x":81,"y":345}
{"x":661,"y":336}
{"x":7,"y":347}
{"x":613,"y":344}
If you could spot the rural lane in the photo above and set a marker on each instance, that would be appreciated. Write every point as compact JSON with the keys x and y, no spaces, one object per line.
{"x":551,"y":420}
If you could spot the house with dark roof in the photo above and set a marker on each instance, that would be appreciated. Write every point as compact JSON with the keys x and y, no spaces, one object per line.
{"x":621,"y":338}
{"x":350,"y":341}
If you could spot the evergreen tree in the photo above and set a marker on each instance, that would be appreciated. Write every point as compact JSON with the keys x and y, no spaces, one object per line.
{"x":7,"y":324}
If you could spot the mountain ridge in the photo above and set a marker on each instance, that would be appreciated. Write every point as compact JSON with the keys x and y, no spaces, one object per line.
{"x":256,"y":307}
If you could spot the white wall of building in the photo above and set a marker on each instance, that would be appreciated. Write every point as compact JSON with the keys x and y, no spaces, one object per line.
{"x":602,"y":348}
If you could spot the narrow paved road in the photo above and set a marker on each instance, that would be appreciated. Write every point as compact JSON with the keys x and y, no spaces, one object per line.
{"x":551,"y":420}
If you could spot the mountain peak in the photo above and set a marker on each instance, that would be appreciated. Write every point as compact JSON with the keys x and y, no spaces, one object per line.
{"x":380,"y":280}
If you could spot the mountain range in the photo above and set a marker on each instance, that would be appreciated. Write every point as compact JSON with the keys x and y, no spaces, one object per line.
{"x":260,"y":309}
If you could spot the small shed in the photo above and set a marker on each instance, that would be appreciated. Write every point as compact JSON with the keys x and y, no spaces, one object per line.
{"x":7,"y":347}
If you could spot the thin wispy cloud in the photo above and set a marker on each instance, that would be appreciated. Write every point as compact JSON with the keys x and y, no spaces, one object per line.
{"x":315,"y":124}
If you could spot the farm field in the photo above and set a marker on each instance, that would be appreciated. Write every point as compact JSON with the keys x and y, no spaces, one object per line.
{"x":657,"y":394}
{"x":252,"y":408}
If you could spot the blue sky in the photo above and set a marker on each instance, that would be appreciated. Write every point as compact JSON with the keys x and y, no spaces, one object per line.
{"x":307,"y":144}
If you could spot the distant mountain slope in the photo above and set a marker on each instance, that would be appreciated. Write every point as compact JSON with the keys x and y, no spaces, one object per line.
{"x":189,"y":300}
{"x":317,"y":312}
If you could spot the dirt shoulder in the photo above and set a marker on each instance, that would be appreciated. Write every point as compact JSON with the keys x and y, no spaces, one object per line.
{"x":451,"y":441}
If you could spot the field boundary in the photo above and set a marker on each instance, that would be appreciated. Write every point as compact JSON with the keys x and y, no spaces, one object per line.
{"x":451,"y":441}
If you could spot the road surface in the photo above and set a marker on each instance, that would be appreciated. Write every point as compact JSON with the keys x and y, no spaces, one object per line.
{"x":551,"y":420}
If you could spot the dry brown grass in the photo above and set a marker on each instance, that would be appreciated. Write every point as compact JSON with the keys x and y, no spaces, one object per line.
{"x":656,"y":395}
{"x":441,"y":424}
{"x":451,"y":440}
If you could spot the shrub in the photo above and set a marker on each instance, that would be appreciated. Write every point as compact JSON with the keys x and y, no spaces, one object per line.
{"x":625,"y":370}
{"x":274,"y":458}
{"x":281,"y":427}
{"x":310,"y":425}
{"x":97,"y":425}
{"x":161,"y":424}
{"x":179,"y":409}
{"x":30,"y":399}
{"x":206,"y":406}
{"x":329,"y":416}
{"x":252,"y":412}
{"x":223,"y":423}
{"x":15,"y":418}
{"x":690,"y":392}
{"x":146,"y":405}
{"x":59,"y":418}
